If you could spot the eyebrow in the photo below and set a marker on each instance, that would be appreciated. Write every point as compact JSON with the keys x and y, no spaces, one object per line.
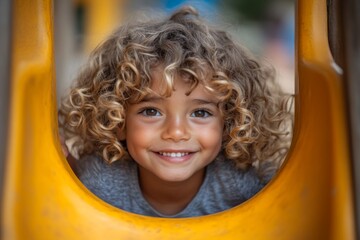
{"x":152,"y":99}
{"x":198,"y":101}
{"x":205,"y":102}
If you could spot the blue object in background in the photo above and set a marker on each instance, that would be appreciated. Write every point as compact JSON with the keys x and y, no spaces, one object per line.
{"x":206,"y":8}
{"x":288,"y":34}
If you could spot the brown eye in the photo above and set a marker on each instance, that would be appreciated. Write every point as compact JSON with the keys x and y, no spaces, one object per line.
{"x":150,"y":112}
{"x":201,"y":114}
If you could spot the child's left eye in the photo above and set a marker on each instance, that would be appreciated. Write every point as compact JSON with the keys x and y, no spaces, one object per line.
{"x":201,"y":114}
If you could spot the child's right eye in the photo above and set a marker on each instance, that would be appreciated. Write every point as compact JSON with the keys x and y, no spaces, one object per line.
{"x":151,"y":112}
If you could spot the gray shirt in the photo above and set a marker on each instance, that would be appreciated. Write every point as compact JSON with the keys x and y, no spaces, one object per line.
{"x":224,"y":186}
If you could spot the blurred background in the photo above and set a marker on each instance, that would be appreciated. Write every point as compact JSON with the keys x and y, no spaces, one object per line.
{"x":265,"y":27}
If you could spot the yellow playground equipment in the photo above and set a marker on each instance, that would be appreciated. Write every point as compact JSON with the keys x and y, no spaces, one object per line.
{"x":310,"y":198}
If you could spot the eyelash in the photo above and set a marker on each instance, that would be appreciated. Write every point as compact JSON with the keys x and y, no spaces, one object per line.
{"x":145,"y":112}
{"x":204,"y":111}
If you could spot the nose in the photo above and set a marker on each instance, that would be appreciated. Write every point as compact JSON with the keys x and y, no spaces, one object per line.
{"x":176,"y":129}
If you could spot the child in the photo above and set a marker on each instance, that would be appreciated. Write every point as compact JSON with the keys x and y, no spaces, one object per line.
{"x":172,"y":119}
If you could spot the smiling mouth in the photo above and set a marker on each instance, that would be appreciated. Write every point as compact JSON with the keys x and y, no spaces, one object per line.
{"x":174,"y":154}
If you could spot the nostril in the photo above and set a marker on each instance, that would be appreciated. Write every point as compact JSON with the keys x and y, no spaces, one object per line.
{"x":176,"y":131}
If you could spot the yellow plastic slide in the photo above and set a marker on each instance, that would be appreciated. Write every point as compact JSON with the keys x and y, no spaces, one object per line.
{"x":311,"y":197}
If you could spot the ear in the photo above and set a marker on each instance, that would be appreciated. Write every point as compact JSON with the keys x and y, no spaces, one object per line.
{"x":120,"y":133}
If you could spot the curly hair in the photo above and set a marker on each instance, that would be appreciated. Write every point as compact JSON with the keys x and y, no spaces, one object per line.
{"x":256,"y":112}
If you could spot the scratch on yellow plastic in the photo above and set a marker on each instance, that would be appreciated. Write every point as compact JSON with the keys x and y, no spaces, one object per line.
{"x":311,"y":198}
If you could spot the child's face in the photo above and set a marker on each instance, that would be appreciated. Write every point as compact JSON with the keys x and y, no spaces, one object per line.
{"x":174,"y":138}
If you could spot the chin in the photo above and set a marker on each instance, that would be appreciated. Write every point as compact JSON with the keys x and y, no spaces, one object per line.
{"x":174,"y":177}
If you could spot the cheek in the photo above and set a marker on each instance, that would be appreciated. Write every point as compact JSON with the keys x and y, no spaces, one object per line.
{"x":138,"y":134}
{"x":135,"y":143}
{"x":210,"y":136}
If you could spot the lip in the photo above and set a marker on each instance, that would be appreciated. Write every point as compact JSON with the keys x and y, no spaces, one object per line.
{"x":174,"y":156}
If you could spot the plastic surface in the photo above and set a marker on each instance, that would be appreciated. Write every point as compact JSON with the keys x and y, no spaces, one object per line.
{"x":311,"y":197}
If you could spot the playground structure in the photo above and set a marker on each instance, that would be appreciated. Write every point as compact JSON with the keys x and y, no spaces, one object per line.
{"x":312,"y":197}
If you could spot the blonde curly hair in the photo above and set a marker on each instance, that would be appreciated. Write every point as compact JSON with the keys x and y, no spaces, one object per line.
{"x":256,"y":112}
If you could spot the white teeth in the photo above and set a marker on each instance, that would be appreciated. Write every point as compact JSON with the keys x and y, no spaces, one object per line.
{"x":173,"y":154}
